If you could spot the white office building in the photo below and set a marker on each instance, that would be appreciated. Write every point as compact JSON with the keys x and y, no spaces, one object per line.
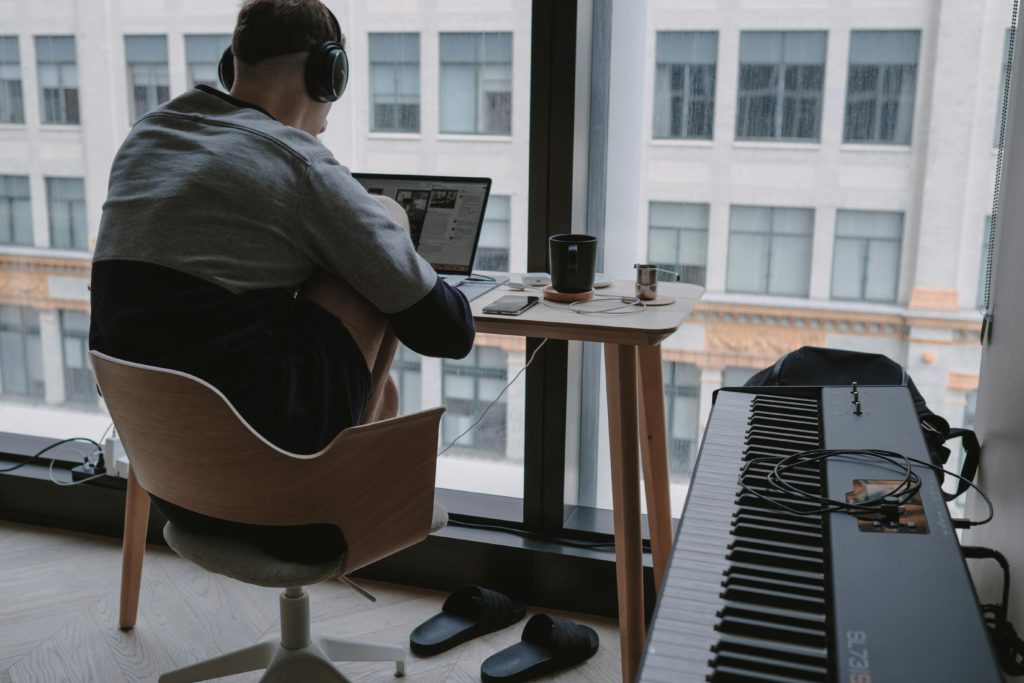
{"x":824,"y":168}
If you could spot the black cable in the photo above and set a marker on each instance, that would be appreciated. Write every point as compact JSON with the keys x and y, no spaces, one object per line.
{"x":74,"y":439}
{"x":541,"y":537}
{"x":477,"y":277}
{"x":907,"y":487}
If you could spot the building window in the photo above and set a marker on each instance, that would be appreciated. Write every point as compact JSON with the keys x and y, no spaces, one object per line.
{"x":468,"y":387}
{"x":202,"y":56}
{"x":476,"y":83}
{"x":682,"y":408}
{"x":405,"y":370}
{"x":395,"y":82}
{"x":677,"y":240}
{"x":148,"y":82}
{"x":684,"y":85}
{"x":735,"y":376}
{"x":15,"y":210}
{"x":12,"y":108}
{"x":492,"y":251}
{"x":782,"y":74}
{"x":66,"y":200}
{"x":21,"y":352}
{"x":866,"y":257}
{"x":79,"y":385}
{"x":58,"y":79}
{"x":880,"y":87}
{"x":770,"y":250}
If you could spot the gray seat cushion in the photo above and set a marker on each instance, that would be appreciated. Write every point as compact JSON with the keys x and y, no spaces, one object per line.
{"x":244,"y":561}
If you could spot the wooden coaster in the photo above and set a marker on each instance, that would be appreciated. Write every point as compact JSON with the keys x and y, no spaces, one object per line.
{"x":662,"y":300}
{"x":552,"y":294}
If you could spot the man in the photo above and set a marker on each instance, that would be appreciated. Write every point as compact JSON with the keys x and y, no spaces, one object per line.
{"x":233,"y":246}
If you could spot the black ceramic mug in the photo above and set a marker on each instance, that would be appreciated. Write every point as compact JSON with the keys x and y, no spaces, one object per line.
{"x":573,"y":260}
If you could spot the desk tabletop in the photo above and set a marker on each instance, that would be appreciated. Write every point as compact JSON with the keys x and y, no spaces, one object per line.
{"x":557,"y":321}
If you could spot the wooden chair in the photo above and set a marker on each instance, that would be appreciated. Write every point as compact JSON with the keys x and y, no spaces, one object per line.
{"x":188,"y":445}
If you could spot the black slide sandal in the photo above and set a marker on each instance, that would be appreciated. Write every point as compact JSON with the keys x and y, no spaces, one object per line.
{"x":469,"y":612}
{"x":549,"y":644}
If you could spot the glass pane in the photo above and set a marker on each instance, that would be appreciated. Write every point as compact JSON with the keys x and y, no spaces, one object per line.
{"x":805,"y":244}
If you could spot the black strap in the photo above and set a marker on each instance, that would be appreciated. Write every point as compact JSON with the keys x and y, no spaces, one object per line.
{"x":972,"y":454}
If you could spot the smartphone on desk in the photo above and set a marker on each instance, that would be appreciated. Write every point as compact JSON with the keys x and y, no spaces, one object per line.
{"x":510,"y":304}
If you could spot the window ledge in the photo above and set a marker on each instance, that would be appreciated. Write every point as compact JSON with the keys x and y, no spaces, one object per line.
{"x":473,"y":137}
{"x":874,"y":148}
{"x":60,"y":127}
{"x":45,"y":252}
{"x":833,"y":305}
{"x":682,"y":142}
{"x":810,"y":146}
{"x":13,"y":127}
{"x":394,"y":135}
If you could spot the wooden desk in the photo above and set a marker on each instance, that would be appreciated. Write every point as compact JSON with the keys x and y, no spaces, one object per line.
{"x":632,"y":361}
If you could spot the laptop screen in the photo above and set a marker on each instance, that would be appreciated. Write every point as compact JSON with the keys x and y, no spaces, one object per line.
{"x":445,"y":213}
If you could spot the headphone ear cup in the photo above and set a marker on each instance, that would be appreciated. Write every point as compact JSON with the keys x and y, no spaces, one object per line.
{"x":226,"y":69}
{"x":327,"y":72}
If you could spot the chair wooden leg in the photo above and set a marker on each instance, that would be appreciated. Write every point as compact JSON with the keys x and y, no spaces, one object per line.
{"x":136,"y":522}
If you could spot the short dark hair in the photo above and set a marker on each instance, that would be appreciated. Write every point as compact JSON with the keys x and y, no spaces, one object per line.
{"x":268,"y":28}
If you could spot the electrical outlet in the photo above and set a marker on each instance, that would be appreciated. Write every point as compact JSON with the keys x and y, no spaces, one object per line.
{"x":115,"y":457}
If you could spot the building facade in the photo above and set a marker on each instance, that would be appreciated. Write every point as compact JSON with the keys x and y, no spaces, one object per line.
{"x":825,"y":169}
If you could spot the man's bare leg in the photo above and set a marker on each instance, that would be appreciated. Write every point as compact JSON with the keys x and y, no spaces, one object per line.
{"x":367,"y":326}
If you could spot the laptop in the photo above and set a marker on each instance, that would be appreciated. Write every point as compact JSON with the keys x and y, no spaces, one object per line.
{"x":446,"y":216}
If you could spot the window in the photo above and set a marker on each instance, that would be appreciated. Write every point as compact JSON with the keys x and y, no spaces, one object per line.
{"x":492,"y":251}
{"x":21,"y":352}
{"x":684,"y":85}
{"x":148,"y":81}
{"x":1001,"y":87}
{"x":395,"y":82}
{"x":66,"y":200}
{"x":468,"y":387}
{"x":735,"y":376}
{"x":880,"y":86}
{"x":677,"y":240}
{"x":79,"y":385}
{"x":202,"y":56}
{"x":476,"y":83}
{"x":983,"y":273}
{"x":682,"y":410}
{"x":866,"y":257}
{"x":12,"y":109}
{"x":407,"y":373}
{"x":770,"y":250}
{"x":782,"y":74}
{"x":15,"y":210}
{"x":58,"y":79}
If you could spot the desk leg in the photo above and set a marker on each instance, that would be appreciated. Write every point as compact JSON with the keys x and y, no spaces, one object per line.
{"x":136,"y":521}
{"x":654,"y":453}
{"x":620,"y":364}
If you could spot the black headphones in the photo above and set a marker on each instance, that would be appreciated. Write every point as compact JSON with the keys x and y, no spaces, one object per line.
{"x":326,"y":68}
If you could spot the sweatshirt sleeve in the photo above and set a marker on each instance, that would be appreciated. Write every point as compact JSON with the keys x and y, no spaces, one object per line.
{"x":347,"y":232}
{"x":440,"y":324}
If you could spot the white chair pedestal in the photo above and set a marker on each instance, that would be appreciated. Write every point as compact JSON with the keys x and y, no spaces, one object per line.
{"x":296,"y":656}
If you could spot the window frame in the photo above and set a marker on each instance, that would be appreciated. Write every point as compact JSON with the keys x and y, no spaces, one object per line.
{"x":7,"y":206}
{"x":771,"y":233}
{"x":156,"y":88}
{"x":867,"y":242}
{"x":683,"y":96}
{"x":395,"y":66}
{"x":12,"y":90}
{"x":687,"y":271}
{"x":783,"y":97}
{"x":885,"y":72}
{"x":63,"y":99}
{"x":76,"y":209}
{"x":479,"y":66}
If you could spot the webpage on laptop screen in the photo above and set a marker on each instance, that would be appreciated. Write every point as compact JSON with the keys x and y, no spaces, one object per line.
{"x":444,"y":216}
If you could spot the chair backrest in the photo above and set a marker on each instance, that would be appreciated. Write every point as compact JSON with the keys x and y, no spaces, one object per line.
{"x":187,"y":445}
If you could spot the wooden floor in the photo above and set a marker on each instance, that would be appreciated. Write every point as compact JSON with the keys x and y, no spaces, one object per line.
{"x":58,"y":616}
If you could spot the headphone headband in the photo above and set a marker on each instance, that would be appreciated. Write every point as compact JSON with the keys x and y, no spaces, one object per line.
{"x":326,"y":71}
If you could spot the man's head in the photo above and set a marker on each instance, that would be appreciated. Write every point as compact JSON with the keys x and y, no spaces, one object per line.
{"x":289,"y":54}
